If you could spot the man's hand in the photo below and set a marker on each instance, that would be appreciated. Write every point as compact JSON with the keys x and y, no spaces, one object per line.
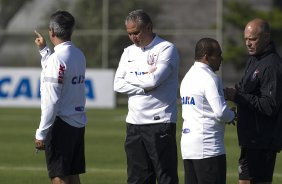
{"x":234,"y":121}
{"x":152,"y":69}
{"x":39,"y":41}
{"x":39,"y":144}
{"x":229,"y":94}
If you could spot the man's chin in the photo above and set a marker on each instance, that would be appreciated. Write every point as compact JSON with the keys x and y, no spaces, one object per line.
{"x":137,"y":44}
{"x":251,"y":52}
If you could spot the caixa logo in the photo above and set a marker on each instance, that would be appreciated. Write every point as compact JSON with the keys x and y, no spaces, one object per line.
{"x":187,"y":100}
{"x":25,"y":87}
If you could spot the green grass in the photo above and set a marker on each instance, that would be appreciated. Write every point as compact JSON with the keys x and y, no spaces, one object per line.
{"x":105,"y":157}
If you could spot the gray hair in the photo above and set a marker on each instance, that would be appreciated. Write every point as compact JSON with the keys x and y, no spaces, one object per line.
{"x":139,"y":16}
{"x":62,"y":23}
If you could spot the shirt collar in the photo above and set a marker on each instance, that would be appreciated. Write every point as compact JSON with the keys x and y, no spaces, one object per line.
{"x":62,"y":44}
{"x":202,"y":65}
{"x":152,"y":43}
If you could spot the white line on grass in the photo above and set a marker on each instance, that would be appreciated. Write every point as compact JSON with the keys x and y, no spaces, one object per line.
{"x":28,"y":116}
{"x":97,"y":170}
{"x":22,"y":168}
{"x":16,"y":118}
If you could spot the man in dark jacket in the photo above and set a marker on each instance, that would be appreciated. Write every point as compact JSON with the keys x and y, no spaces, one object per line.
{"x":258,"y":98}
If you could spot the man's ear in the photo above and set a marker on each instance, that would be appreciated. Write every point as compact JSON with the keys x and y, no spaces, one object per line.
{"x":150,"y":27}
{"x":52,"y":32}
{"x":206,"y":57}
{"x":267,"y":37}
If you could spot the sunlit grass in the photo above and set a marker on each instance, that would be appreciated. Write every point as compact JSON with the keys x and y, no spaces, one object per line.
{"x":105,"y":157}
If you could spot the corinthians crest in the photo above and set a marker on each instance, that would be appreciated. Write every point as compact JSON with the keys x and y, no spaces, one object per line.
{"x":152,"y":58}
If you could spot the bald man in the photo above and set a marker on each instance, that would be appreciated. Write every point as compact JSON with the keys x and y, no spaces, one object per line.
{"x":258,"y":99}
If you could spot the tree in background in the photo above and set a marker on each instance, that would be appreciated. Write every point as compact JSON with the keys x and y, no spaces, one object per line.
{"x":89,"y":28}
{"x":8,"y":10}
{"x":89,"y":24}
{"x":237,"y":14}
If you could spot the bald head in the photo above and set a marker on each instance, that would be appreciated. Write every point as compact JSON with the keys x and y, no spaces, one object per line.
{"x":258,"y":25}
{"x":257,"y":36}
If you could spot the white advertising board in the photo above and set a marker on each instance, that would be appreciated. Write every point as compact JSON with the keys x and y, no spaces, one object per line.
{"x":19,"y":87}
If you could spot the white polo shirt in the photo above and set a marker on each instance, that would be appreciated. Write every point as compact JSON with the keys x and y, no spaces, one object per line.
{"x":204,"y":111}
{"x":62,"y":87}
{"x":149,"y":76}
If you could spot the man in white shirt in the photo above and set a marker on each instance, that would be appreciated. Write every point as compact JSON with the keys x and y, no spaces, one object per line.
{"x":148,"y":74}
{"x":204,"y":111}
{"x":63,"y":119}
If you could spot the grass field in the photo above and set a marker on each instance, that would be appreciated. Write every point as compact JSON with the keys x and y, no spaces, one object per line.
{"x":105,"y":157}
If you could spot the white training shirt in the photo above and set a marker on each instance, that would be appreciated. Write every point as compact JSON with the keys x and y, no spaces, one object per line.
{"x":153,"y":69}
{"x":204,"y":111}
{"x":62,"y":87}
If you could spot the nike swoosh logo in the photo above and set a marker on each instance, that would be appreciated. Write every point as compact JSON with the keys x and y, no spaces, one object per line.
{"x":130,"y":60}
{"x":162,"y":136}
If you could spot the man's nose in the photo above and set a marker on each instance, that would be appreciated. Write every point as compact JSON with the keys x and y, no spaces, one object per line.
{"x":248,"y":43}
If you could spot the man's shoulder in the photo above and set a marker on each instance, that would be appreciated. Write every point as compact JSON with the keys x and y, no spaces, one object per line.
{"x":163,"y":41}
{"x":203,"y":73}
{"x":273,"y":60}
{"x":131,"y":47}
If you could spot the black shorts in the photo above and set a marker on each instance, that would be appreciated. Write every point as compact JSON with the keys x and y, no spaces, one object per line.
{"x":205,"y":171}
{"x":64,"y":149}
{"x":256,"y":164}
{"x":151,"y":153}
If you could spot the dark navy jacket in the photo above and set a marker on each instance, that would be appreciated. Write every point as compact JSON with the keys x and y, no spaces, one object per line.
{"x":259,"y":102}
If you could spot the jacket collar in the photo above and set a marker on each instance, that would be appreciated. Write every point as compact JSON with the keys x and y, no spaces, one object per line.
{"x":268,"y":50}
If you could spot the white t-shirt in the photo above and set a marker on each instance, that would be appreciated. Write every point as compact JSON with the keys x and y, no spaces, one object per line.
{"x":204,"y":111}
{"x":149,"y":76}
{"x":62,"y":87}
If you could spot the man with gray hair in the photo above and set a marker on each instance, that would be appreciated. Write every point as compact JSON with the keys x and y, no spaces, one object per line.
{"x":63,"y":119}
{"x":148,"y":74}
